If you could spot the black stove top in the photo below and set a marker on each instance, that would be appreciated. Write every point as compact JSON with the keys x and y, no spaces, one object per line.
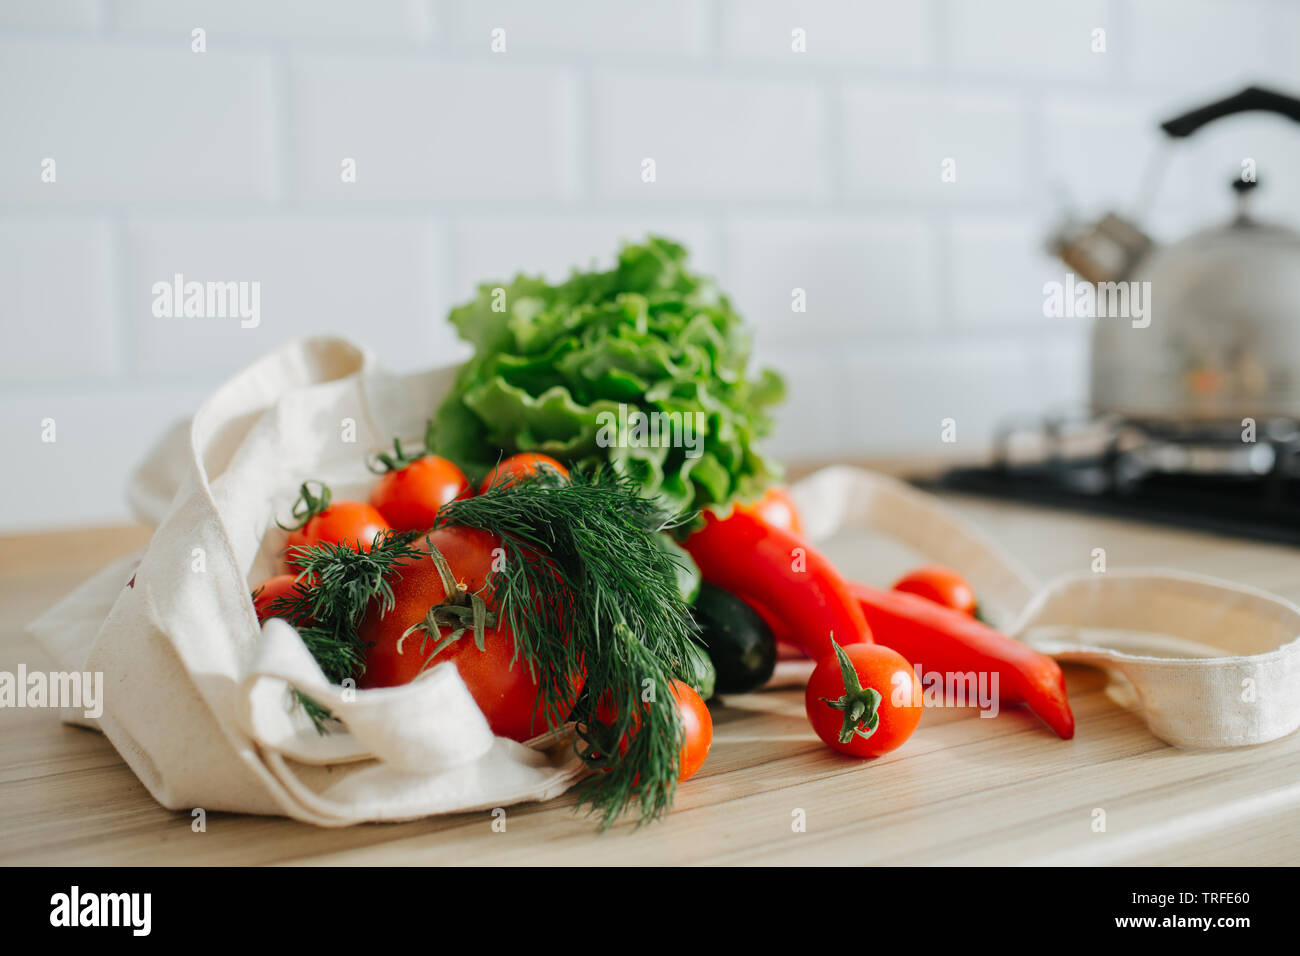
{"x":1224,"y":486}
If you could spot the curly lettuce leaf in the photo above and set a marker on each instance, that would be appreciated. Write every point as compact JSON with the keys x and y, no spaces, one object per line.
{"x":560,"y":368}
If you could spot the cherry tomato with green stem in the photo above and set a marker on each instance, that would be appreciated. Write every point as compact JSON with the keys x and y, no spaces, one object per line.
{"x":353,"y":524}
{"x":863,"y":700}
{"x":412,"y":489}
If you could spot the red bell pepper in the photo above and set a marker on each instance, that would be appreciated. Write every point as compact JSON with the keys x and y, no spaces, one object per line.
{"x":777,"y":571}
{"x":938,"y":638}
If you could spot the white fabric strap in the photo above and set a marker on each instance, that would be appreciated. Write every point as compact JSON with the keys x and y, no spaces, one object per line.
{"x":1212,"y":664}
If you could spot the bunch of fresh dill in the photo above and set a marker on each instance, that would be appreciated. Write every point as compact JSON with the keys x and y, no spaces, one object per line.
{"x":584,"y":588}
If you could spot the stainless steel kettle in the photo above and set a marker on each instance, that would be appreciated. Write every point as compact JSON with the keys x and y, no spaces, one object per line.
{"x":1211,"y":332}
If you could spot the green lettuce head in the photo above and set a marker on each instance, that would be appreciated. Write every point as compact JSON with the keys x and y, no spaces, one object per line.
{"x":643,"y":366}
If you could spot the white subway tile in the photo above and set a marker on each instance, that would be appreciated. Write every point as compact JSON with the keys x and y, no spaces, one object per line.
{"x":708,"y":138}
{"x":57,"y":311}
{"x":489,"y":250}
{"x":810,"y":423}
{"x":419,"y":130}
{"x":378,"y":283}
{"x":131,"y":123}
{"x":51,"y":14}
{"x":597,"y":27}
{"x":856,"y":278}
{"x":899,"y":396}
{"x":1061,"y":361}
{"x":1033,"y":38}
{"x":900,"y":144}
{"x":860,"y":32}
{"x":100,"y":435}
{"x":397,"y":21}
{"x":1096,"y":151}
{"x":999,"y":268}
{"x":1212,"y":47}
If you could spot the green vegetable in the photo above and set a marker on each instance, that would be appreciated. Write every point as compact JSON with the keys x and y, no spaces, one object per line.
{"x":567,"y":369}
{"x":602,"y":600}
{"x":704,"y":679}
{"x":688,"y":575}
{"x":739,"y":642}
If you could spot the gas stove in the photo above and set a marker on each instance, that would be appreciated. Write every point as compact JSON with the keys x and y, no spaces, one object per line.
{"x":1239,"y":480}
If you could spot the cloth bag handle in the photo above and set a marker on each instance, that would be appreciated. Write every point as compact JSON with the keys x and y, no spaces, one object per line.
{"x":1212,"y":663}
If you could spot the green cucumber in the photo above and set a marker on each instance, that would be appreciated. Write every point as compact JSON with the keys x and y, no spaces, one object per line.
{"x":739,"y":642}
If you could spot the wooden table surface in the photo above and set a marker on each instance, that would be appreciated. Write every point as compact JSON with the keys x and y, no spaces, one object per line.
{"x":962,"y":790}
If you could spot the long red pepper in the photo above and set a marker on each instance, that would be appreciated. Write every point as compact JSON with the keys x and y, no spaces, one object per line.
{"x":777,"y":570}
{"x":937,"y":638}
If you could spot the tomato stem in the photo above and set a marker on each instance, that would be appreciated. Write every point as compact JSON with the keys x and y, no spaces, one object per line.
{"x":461,"y":610}
{"x":858,"y":703}
{"x":308,"y":505}
{"x":383,"y":462}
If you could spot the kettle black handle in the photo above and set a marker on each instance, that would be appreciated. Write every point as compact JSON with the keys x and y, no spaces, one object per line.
{"x":1250,"y":99}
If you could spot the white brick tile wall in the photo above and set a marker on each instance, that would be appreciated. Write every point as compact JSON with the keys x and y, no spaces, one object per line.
{"x":46,"y":14}
{"x":818,"y":170}
{"x":860,"y":32}
{"x":895,"y":400}
{"x":899,"y":144}
{"x":1050,"y":38}
{"x":130,"y":123}
{"x":809,"y":424}
{"x":709,"y":138}
{"x":100,"y":434}
{"x":595,"y":28}
{"x":403,"y":22}
{"x":421,"y":130}
{"x":1205,"y":46}
{"x":1095,"y":152}
{"x":858,"y":278}
{"x":57,"y":310}
{"x":380,"y":282}
{"x":998,"y":272}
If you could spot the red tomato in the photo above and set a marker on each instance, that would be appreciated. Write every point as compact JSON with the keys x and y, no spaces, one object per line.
{"x":699,"y":729}
{"x":353,"y":524}
{"x":507,"y":694}
{"x":873,"y":667}
{"x":941,"y":585}
{"x":696,"y":720}
{"x":776,"y":507}
{"x":517,"y":466}
{"x":409,"y":497}
{"x":269,"y":590}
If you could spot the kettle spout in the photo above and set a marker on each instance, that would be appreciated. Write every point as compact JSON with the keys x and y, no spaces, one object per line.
{"x":1102,"y":251}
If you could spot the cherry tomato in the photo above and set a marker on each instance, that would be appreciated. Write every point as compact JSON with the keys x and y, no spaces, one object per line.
{"x":506,"y":692}
{"x":696,"y":720}
{"x":269,"y":590}
{"x":846,"y":676}
{"x":353,"y":524}
{"x":699,"y":729}
{"x":517,"y":466}
{"x":776,"y":507}
{"x":941,"y":585}
{"x":409,"y":497}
